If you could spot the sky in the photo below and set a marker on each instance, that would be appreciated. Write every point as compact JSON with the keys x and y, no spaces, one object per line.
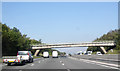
{"x":62,"y":22}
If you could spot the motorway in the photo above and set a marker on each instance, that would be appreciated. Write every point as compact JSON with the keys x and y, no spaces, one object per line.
{"x":111,"y":58}
{"x":62,"y":64}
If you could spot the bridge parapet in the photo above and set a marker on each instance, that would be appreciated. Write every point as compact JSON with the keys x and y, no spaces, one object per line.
{"x":86,"y":44}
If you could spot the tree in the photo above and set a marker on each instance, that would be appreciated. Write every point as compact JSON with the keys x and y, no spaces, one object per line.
{"x":113,"y":35}
{"x":13,"y":41}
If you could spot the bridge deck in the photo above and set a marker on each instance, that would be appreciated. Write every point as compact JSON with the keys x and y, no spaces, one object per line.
{"x":74,"y":45}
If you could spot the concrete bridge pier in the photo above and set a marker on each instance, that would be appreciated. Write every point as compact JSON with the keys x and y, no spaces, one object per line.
{"x":36,"y":52}
{"x":103,"y":49}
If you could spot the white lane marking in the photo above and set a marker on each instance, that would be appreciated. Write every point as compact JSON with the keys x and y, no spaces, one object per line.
{"x":108,"y":59}
{"x":32,"y":64}
{"x":63,"y":64}
{"x":68,"y":69}
{"x":60,"y":61}
{"x":29,"y":64}
{"x":95,"y":62}
{"x":39,"y":61}
{"x":108,"y":66}
{"x":102,"y":65}
{"x":100,"y":62}
{"x":4,"y":64}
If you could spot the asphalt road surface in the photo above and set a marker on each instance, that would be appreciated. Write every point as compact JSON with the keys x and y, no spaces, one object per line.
{"x":60,"y":64}
{"x":113,"y":58}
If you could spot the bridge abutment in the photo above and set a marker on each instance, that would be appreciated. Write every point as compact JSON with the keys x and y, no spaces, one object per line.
{"x":103,"y":49}
{"x":36,"y":52}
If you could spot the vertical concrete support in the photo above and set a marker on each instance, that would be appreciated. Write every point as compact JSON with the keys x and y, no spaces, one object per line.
{"x":103,"y":49}
{"x":37,"y":51}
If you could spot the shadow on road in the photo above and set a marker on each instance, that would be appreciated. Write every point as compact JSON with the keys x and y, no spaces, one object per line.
{"x":19,"y":64}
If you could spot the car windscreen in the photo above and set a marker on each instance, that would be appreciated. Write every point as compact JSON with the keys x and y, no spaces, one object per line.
{"x":22,"y":53}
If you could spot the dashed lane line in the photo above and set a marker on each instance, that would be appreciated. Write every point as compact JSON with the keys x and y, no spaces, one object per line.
{"x":4,"y":64}
{"x":32,"y":64}
{"x":60,"y":61}
{"x":63,"y":64}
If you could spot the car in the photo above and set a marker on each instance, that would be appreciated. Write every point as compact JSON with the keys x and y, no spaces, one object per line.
{"x":99,"y":53}
{"x":63,"y":55}
{"x":80,"y":53}
{"x":45,"y":54}
{"x":25,"y":55}
{"x":89,"y":52}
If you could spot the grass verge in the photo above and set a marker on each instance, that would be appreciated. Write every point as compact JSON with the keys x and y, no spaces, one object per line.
{"x":36,"y":57}
{"x":114,"y":52}
{"x":0,"y":60}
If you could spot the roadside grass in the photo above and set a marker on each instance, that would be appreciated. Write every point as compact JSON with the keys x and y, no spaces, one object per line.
{"x":0,"y":60}
{"x":114,"y":52}
{"x":36,"y":57}
{"x":94,"y":52}
{"x":110,"y":52}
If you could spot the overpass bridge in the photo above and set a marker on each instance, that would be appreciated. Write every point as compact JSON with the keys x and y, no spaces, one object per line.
{"x":100,"y":44}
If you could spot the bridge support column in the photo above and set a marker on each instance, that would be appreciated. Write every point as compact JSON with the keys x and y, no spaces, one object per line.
{"x":36,"y":52}
{"x":103,"y":49}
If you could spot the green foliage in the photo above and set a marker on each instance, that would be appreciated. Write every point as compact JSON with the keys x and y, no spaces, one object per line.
{"x":113,"y":35}
{"x":114,"y":52}
{"x":13,"y":41}
{"x":1,"y":60}
{"x":118,"y":41}
{"x":36,"y":57}
{"x":0,"y":39}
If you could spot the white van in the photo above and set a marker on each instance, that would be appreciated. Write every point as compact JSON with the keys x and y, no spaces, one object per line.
{"x":45,"y":54}
{"x":55,"y":54}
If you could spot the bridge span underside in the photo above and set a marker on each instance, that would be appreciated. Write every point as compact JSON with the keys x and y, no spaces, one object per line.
{"x":93,"y":44}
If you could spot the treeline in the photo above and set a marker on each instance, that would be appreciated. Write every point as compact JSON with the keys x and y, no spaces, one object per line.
{"x":13,"y":41}
{"x":113,"y":35}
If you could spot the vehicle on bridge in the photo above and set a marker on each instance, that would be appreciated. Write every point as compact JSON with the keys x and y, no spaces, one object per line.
{"x":55,"y":54}
{"x":45,"y":54}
